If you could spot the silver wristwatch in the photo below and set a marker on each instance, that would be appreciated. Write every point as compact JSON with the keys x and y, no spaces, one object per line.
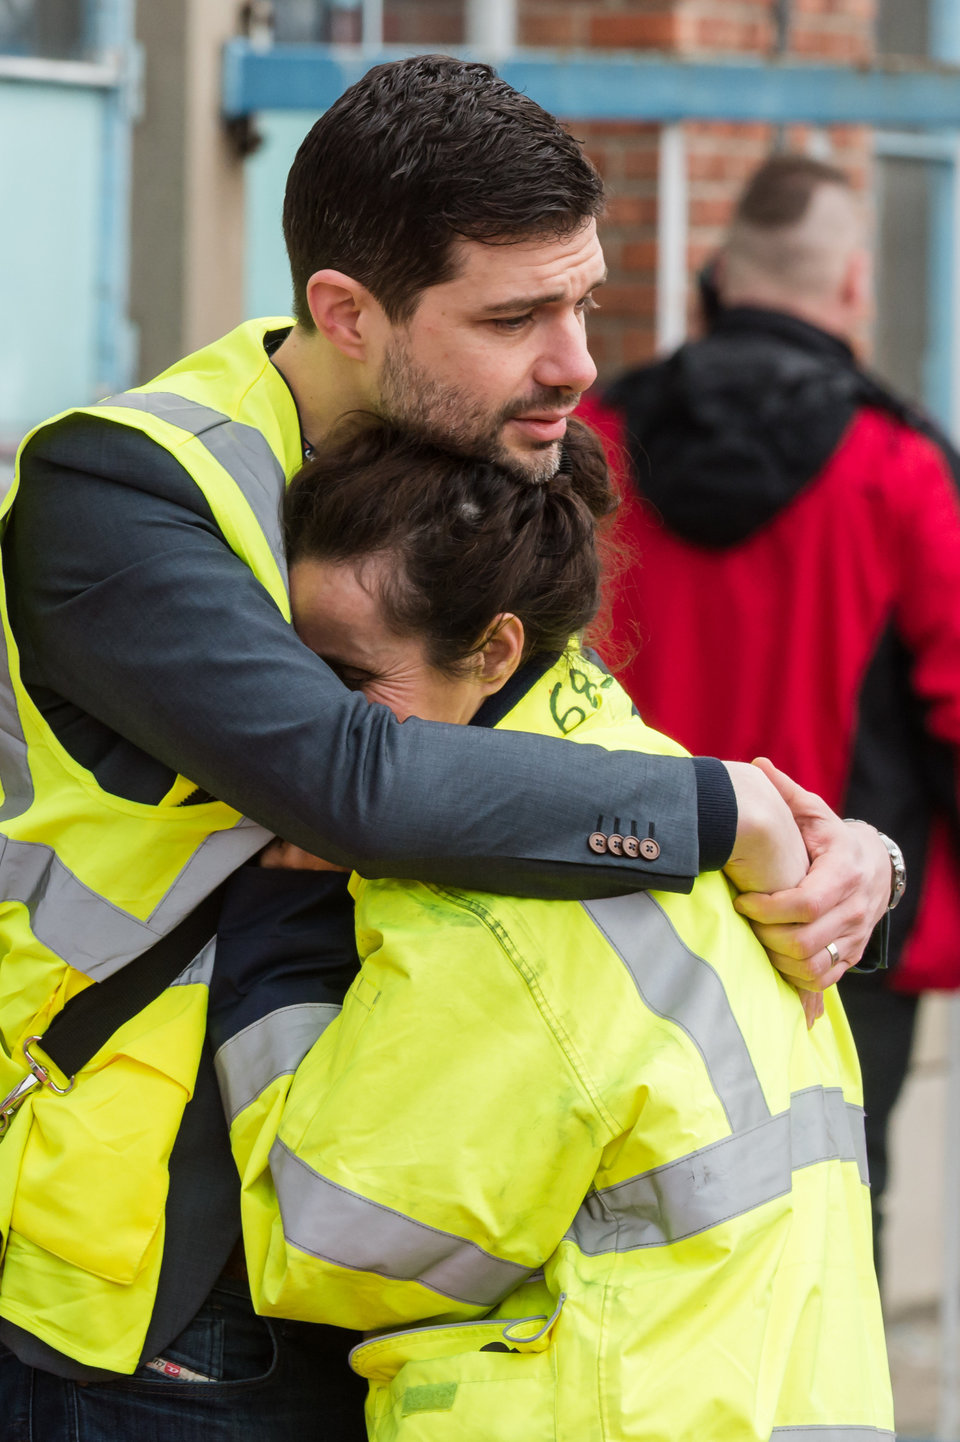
{"x":898,"y":867}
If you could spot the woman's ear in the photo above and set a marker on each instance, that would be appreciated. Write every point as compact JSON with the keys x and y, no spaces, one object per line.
{"x":339,"y":306}
{"x":502,"y":651}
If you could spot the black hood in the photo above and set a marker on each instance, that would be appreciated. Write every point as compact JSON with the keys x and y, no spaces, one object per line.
{"x":726,"y":432}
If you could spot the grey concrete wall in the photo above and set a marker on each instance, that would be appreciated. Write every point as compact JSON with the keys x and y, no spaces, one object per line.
{"x":187,"y":223}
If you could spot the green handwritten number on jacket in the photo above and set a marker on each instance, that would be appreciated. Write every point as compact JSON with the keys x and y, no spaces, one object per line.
{"x":582,"y":685}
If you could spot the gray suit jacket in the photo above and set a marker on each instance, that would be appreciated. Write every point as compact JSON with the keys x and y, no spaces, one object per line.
{"x":152,"y":649}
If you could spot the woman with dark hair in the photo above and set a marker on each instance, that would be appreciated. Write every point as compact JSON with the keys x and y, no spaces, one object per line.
{"x":582,"y":1168}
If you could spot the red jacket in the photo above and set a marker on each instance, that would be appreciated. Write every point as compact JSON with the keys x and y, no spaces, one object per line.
{"x":796,"y":606}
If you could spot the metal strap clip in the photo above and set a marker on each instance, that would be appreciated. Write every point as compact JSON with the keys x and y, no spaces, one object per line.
{"x":12,"y":1100}
{"x":39,"y":1076}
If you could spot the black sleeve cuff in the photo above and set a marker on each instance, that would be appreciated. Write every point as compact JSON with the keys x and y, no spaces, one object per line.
{"x":716,"y":812}
{"x":286,"y":938}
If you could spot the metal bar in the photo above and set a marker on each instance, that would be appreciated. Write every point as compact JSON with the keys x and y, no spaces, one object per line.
{"x":672,"y":223}
{"x":948,"y":1422}
{"x":938,"y":361}
{"x":782,"y":19}
{"x":372,"y":32}
{"x":929,"y":146}
{"x":492,"y":26}
{"x":114,"y":358}
{"x":624,"y":87}
{"x":90,"y":75}
{"x":945,"y":30}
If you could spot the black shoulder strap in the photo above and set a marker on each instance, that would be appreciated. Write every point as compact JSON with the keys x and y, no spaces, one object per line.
{"x":91,"y":1017}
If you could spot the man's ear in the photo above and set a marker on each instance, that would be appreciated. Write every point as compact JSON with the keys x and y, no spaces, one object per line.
{"x":340,"y":306}
{"x":502,"y":651}
{"x":856,"y":287}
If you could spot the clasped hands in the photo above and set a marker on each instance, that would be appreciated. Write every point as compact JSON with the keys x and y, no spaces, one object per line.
{"x":805,"y":879}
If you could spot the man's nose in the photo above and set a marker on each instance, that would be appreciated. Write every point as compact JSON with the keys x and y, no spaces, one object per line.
{"x":565,"y":362}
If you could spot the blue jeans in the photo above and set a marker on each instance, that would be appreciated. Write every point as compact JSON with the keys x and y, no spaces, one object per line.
{"x":273,"y":1381}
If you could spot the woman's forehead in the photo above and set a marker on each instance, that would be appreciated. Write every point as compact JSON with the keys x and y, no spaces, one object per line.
{"x":337,"y":610}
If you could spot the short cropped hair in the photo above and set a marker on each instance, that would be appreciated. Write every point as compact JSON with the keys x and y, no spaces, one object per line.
{"x":780,"y":192}
{"x":417,"y":154}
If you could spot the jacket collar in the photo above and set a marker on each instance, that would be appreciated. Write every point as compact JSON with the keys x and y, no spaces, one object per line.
{"x":756,"y":320}
{"x":790,"y":329}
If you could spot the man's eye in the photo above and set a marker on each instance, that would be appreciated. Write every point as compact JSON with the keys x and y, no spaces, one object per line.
{"x":512,"y":323}
{"x":588,"y":305}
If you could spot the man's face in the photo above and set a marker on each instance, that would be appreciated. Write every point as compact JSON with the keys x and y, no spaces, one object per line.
{"x":493,"y":361}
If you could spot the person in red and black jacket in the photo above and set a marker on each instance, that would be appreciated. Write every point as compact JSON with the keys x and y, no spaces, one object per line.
{"x":792,"y":581}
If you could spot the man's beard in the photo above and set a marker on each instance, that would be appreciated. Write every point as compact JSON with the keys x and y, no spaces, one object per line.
{"x":449,"y":416}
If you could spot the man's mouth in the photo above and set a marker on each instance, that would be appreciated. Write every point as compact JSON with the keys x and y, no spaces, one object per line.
{"x":543,"y":426}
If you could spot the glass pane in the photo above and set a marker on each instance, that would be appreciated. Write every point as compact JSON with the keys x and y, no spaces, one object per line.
{"x":338,"y":22}
{"x":903,"y":27}
{"x":50,"y":29}
{"x":904,"y":204}
{"x":405,"y":22}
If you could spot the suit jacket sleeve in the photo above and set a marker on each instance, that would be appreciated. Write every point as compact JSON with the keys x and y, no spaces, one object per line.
{"x":129,"y":608}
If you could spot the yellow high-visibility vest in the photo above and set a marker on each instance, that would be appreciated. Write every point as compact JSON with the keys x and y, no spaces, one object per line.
{"x":581,"y":1166}
{"x":89,"y":881}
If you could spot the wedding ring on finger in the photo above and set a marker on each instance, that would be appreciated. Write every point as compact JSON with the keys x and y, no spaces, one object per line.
{"x":833,"y":952}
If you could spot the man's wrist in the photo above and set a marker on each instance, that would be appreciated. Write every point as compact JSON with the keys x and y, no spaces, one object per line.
{"x":898,"y":867}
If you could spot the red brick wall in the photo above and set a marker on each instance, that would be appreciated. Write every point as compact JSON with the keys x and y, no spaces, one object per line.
{"x":837,"y":30}
{"x":720,"y":155}
{"x":423,"y":22}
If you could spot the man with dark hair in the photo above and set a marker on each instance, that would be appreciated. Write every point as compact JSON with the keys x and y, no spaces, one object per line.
{"x":161,"y":720}
{"x":782,"y":496}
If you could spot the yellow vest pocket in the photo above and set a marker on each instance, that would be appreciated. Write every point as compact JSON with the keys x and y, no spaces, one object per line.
{"x":93,"y":1179}
{"x":460,"y":1383}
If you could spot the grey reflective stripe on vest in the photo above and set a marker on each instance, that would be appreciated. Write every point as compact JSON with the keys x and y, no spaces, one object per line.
{"x":328,"y":1221}
{"x":679,"y":985}
{"x":273,"y":1046}
{"x":756,"y":1162}
{"x":722,"y":1180}
{"x":813,"y":1433}
{"x":89,"y":932}
{"x":14,"y":766}
{"x":76,"y":923}
{"x":199,"y":972}
{"x":241,"y":450}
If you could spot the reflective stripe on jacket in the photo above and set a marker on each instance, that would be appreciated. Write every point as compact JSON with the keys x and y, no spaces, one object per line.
{"x":91,"y":880}
{"x":581,"y":1165}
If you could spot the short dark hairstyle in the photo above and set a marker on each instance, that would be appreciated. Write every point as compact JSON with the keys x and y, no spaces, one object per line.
{"x":418,"y":153}
{"x":470,"y":539}
{"x":780,"y":192}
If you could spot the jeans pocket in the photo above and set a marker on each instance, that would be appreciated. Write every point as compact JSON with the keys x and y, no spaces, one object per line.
{"x":225,"y":1344}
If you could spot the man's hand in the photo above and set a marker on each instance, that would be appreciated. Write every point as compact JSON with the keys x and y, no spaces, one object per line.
{"x":840,"y":900}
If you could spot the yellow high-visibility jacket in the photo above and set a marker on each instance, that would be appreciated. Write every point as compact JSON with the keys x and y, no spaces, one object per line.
{"x":581,"y":1167}
{"x":89,"y":881}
